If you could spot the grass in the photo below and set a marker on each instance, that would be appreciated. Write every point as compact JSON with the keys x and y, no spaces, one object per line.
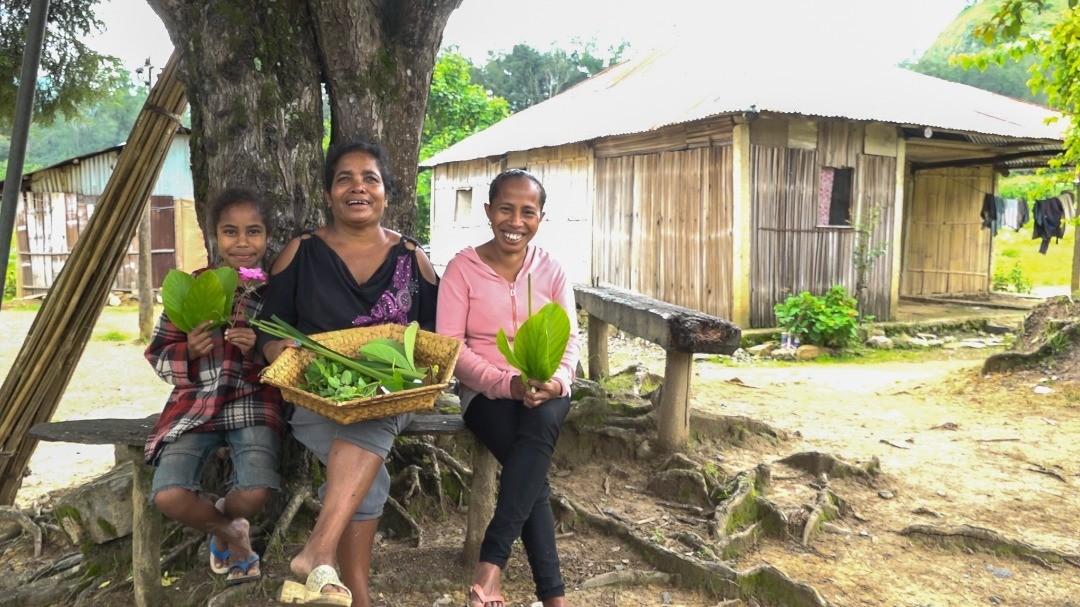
{"x":113,"y":336}
{"x":1050,"y":270}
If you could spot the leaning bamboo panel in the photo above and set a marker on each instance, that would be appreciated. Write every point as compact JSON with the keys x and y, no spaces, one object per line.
{"x":58,"y":336}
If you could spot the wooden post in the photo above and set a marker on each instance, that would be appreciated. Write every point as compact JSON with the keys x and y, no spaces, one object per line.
{"x":146,"y":527}
{"x":674,"y":418}
{"x":598,"y":348}
{"x":146,"y":278}
{"x":1074,"y":283}
{"x":481,"y":506}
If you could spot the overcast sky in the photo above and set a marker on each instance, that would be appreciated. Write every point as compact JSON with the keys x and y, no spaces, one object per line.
{"x":860,"y":31}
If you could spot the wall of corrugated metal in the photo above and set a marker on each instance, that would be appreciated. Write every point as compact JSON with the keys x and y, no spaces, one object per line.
{"x":790,"y":252}
{"x":175,"y":178}
{"x":564,"y":233}
{"x":946,"y":248}
{"x":662,"y":226}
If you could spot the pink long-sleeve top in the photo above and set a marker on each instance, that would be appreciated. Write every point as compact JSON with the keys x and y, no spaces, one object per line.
{"x":475,"y":302}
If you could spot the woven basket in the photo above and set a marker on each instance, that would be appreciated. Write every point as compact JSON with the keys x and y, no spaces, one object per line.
{"x":287,"y":372}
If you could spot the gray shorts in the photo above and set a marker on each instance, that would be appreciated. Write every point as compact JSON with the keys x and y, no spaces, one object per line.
{"x":317,"y":433}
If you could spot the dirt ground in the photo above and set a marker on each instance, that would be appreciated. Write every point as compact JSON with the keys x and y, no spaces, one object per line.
{"x":955,"y":448}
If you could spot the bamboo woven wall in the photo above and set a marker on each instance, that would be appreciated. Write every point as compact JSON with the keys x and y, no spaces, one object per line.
{"x":662,"y":226}
{"x":789,"y":252}
{"x":946,"y":249}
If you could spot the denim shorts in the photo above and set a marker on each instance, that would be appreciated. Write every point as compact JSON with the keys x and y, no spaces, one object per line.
{"x":253,"y":451}
{"x":317,"y":433}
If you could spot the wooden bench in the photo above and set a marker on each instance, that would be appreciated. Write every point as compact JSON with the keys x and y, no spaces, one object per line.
{"x":682,"y":332}
{"x":129,"y":436}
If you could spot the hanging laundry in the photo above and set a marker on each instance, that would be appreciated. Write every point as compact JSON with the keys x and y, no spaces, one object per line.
{"x":1068,"y":204}
{"x":1014,"y":213}
{"x":1049,"y":217}
{"x":992,"y":209}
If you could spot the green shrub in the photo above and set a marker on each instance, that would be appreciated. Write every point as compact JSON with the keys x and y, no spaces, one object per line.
{"x":831,"y":321}
{"x":1012,"y":281}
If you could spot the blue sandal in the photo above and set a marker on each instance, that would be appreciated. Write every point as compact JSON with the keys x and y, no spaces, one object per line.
{"x":245,"y":568}
{"x":218,"y":555}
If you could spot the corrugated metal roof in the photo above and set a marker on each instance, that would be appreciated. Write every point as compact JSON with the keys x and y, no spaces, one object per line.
{"x":674,"y":85}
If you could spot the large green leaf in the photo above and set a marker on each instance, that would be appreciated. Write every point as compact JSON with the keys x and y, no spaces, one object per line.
{"x":229,"y":280}
{"x":556,"y":325}
{"x":205,"y":301}
{"x":174,"y":290}
{"x":504,"y":347}
{"x":539,"y":343}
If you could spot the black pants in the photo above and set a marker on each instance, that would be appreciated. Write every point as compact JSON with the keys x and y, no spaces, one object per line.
{"x":523,"y":440}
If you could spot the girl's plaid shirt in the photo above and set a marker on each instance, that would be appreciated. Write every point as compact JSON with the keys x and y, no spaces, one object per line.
{"x":218,"y":391}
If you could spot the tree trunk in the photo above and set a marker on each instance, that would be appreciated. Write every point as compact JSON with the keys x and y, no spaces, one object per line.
{"x":378,"y":59}
{"x":253,"y":83}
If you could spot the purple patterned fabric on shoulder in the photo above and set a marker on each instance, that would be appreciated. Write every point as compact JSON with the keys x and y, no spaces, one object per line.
{"x":394,"y":303}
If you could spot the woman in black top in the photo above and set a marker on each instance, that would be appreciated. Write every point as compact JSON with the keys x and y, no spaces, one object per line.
{"x":353,"y":272}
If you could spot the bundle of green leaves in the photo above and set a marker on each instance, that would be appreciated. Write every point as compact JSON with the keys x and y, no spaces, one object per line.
{"x":190,"y":301}
{"x":334,"y":381}
{"x":381,"y":364}
{"x":539,"y":344}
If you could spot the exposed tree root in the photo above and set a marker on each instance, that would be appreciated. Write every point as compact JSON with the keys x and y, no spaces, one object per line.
{"x":55,"y":590}
{"x":988,"y":539}
{"x":762,"y":582}
{"x":627,"y":577}
{"x":825,"y":509}
{"x":817,"y":463}
{"x":417,"y":531}
{"x":300,"y":495}
{"x":734,"y":428}
{"x":8,"y":513}
{"x":740,"y":508}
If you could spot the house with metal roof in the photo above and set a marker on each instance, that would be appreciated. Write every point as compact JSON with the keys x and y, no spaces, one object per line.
{"x":726,"y":187}
{"x":57,"y":201}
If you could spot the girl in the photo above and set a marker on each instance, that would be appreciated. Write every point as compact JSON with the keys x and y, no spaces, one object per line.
{"x":217,"y":399}
{"x":484,"y":289}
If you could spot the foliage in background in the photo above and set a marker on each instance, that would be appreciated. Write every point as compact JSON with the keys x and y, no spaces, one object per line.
{"x":525,"y":76}
{"x":1032,"y":185}
{"x":71,"y":75}
{"x":1012,"y":281}
{"x":1056,"y":71}
{"x":958,"y":38}
{"x":831,"y":320}
{"x":457,"y":107}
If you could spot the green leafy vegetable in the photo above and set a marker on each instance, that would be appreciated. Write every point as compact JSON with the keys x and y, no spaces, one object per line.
{"x":190,"y":301}
{"x":383,"y":363}
{"x":539,"y":344}
{"x":333,"y":381}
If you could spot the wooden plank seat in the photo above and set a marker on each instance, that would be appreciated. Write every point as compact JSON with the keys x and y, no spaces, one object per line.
{"x":682,"y":332}
{"x":129,"y":435}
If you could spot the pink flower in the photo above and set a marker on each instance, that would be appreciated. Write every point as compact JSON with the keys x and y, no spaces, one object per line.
{"x":252,"y":274}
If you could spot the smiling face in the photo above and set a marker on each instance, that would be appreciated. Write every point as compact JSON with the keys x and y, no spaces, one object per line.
{"x":241,"y":235}
{"x":515,"y":214}
{"x":357,"y":194}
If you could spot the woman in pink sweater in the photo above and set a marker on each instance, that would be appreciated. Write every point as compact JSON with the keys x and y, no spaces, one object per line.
{"x":485,"y":289}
